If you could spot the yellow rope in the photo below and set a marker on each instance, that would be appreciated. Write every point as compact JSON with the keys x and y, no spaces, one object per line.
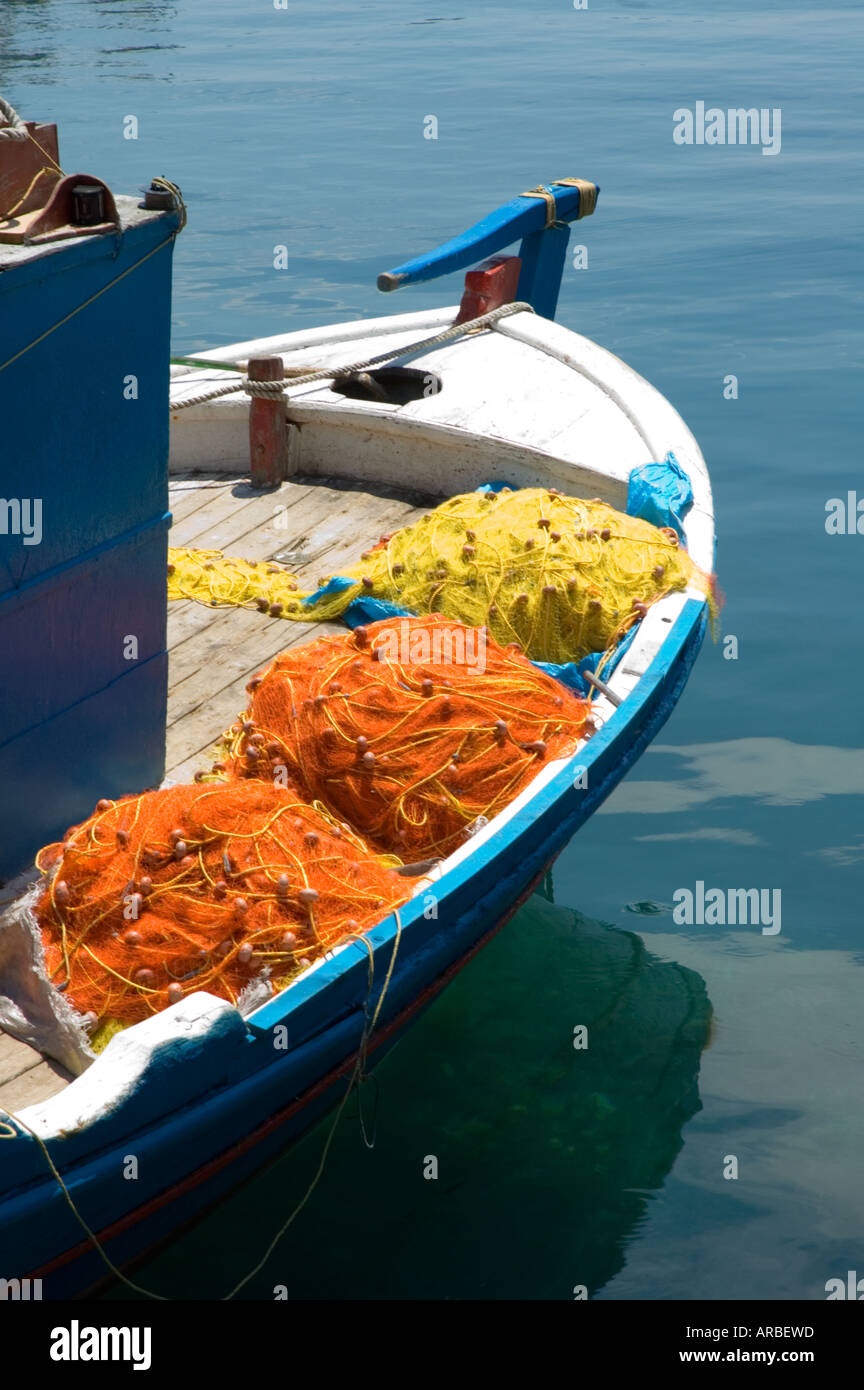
{"x":587,"y":194}
{"x":549,"y":199}
{"x":42,"y":150}
{"x":51,"y":167}
{"x":75,"y":1212}
{"x":87,"y":302}
{"x":180,"y":206}
{"x":587,"y":199}
{"x":7,"y":216}
{"x":357,"y":1074}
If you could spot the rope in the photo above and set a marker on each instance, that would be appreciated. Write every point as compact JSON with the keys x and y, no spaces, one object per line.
{"x":275,"y":388}
{"x":15,"y":129}
{"x":181,"y":208}
{"x":42,"y":150}
{"x":357,"y":1075}
{"x":262,"y":388}
{"x":587,"y":199}
{"x":7,"y":216}
{"x":72,"y":1207}
{"x":549,"y":199}
{"x":587,"y":194}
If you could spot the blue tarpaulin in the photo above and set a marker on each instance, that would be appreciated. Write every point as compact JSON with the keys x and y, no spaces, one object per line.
{"x":660,"y":493}
{"x":337,"y":585}
{"x":572,"y":673}
{"x":372,"y":610}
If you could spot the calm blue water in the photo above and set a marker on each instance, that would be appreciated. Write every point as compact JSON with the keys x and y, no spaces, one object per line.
{"x":305,"y":127}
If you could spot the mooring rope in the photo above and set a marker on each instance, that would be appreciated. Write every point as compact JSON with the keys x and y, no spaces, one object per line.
{"x":272,"y":389}
{"x":181,"y":211}
{"x":70,"y":1203}
{"x":16,"y":129}
{"x":358,"y":1075}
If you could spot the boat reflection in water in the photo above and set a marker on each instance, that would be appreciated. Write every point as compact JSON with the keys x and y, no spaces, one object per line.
{"x":547,"y":1153}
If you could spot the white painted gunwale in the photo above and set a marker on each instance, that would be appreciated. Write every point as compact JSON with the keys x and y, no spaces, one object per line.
{"x":557,"y":450}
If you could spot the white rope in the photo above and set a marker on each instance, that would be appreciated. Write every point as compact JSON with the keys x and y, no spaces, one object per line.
{"x":272,"y":389}
{"x":263,"y":388}
{"x":15,"y":129}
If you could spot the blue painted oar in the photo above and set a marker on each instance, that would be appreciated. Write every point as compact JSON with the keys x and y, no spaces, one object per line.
{"x":540,"y":217}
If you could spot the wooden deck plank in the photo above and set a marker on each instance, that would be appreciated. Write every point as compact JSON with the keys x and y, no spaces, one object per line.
{"x":195,"y":642}
{"x":189,"y":492}
{"x":291,"y":514}
{"x":275,"y":527}
{"x":256,"y":534}
{"x":330,"y":533}
{"x":192,"y":735}
{"x":215,"y":651}
{"x":235,"y":509}
{"x":230,"y":511}
{"x":234,"y":522}
{"x":225,"y":662}
{"x":15,"y":1058}
{"x":38,"y":1083}
{"x":327,"y":538}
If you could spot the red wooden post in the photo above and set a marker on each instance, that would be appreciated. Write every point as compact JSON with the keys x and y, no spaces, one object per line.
{"x":268,"y":427}
{"x":488,"y":286}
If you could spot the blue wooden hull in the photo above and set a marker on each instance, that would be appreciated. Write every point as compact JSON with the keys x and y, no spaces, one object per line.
{"x":204,"y":1120}
{"x":83,"y":385}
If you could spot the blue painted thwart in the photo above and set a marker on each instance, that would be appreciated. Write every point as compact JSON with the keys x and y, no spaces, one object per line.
{"x":543,"y":246}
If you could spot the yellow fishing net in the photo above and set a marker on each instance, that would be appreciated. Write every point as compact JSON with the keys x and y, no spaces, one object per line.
{"x":560,"y":576}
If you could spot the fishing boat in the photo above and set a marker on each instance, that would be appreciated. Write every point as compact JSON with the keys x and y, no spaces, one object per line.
{"x":303,"y":447}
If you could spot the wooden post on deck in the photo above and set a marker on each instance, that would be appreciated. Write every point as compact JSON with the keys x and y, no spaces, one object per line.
{"x":268,"y":427}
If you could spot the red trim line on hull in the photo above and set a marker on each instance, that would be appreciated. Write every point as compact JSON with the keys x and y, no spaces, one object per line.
{"x":215,"y":1165}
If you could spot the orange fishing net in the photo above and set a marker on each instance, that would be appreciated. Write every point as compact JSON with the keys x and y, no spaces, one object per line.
{"x":414,"y":729}
{"x":202,"y":888}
